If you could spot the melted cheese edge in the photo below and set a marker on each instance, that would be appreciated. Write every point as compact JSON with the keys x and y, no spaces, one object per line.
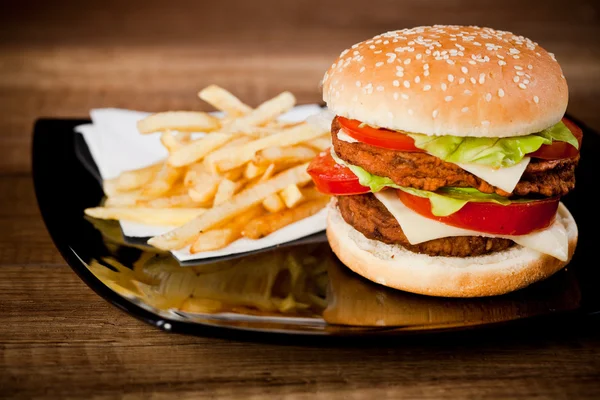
{"x":344,"y":137}
{"x":553,"y":240}
{"x":503,"y":178}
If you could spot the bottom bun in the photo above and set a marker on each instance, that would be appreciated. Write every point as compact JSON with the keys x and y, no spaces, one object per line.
{"x":489,"y":275}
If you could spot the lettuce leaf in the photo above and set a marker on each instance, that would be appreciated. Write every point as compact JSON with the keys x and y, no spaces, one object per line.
{"x":446,"y":201}
{"x":492,"y":152}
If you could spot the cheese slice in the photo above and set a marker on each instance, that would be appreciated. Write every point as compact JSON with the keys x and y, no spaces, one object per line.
{"x":344,"y":137}
{"x":553,"y":240}
{"x":503,"y":178}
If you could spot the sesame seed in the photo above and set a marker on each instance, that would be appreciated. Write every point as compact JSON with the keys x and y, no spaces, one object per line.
{"x":473,"y":80}
{"x":426,"y":73}
{"x":526,"y":81}
{"x":435,"y":113}
{"x":357,"y":83}
{"x":518,"y":67}
{"x":396,"y":83}
{"x":501,"y":63}
{"x":448,"y":98}
{"x":404,"y":96}
{"x":425,"y":66}
{"x":468,"y":92}
{"x":520,"y":73}
{"x":379,"y":64}
{"x":500,"y":93}
{"x":536,"y":99}
{"x":407,"y":61}
{"x":372,"y":46}
{"x":464,"y":70}
{"x":380,"y":88}
{"x":406,"y":84}
{"x":418,"y":56}
{"x":362,"y":69}
{"x":481,"y":78}
{"x":516,"y":79}
{"x":522,"y":86}
{"x":426,"y":88}
{"x":461,"y":81}
{"x":488,"y":97}
{"x":530,"y":66}
{"x":399,"y":74}
{"x":450,"y":78}
{"x":465,"y":109}
{"x":472,"y":62}
{"x":444,"y":86}
{"x":417,"y":79}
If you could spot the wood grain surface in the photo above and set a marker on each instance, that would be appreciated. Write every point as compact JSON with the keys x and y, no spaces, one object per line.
{"x":58,"y":339}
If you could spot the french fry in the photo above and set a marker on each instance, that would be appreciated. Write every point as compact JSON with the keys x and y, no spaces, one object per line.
{"x":128,"y":199}
{"x":227,"y":159}
{"x":320,"y":143}
{"x":162,"y":182}
{"x":311,"y":193}
{"x":235,"y":143}
{"x":109,"y":186}
{"x":246,"y":199}
{"x":169,"y":140}
{"x":198,"y":149}
{"x":180,"y":200}
{"x":252,"y":170}
{"x":194,"y":174}
{"x":273,"y":203}
{"x":214,"y":239}
{"x":267,"y":111}
{"x":223,"y":100}
{"x":186,"y":121}
{"x":234,"y":174}
{"x":263,"y":226}
{"x":225,"y":191}
{"x":291,"y":195}
{"x":183,"y":137}
{"x":144,"y":215}
{"x":268,"y":173}
{"x":222,"y":237}
{"x":135,"y":179}
{"x":205,"y":189}
{"x":279,"y":154}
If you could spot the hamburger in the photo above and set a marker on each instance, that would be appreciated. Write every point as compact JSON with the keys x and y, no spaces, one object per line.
{"x":450,"y":154}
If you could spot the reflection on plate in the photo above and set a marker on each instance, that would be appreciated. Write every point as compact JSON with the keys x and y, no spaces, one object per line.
{"x":302,"y":285}
{"x":300,"y":288}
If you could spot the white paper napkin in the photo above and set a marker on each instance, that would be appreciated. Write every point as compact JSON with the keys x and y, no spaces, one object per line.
{"x":117,"y":146}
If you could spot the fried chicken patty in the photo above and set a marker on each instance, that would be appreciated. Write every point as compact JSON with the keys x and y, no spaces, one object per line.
{"x":371,"y":218}
{"x":427,"y":172}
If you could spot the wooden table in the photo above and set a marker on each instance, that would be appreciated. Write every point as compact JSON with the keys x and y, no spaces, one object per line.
{"x":62,"y":58}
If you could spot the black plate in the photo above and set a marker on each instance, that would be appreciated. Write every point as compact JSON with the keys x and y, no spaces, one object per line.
{"x":299,"y":288}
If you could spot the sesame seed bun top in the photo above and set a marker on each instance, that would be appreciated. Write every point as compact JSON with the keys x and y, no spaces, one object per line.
{"x":448,"y":80}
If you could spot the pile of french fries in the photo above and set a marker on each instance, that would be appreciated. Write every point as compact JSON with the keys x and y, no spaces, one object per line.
{"x":245,"y":178}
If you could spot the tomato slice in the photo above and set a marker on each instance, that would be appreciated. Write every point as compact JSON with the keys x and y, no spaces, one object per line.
{"x":378,"y":137}
{"x":513,"y":219}
{"x":396,"y":140}
{"x":332,"y":178}
{"x":559,"y":150}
